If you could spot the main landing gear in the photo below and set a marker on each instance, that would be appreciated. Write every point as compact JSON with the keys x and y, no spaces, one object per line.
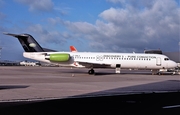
{"x":91,"y":71}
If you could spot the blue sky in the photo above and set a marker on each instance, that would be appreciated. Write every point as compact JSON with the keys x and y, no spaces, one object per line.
{"x":96,"y":25}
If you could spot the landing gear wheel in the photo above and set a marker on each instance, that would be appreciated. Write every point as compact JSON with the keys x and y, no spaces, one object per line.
{"x":91,"y":71}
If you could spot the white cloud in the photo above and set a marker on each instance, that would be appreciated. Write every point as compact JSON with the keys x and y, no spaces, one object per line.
{"x":134,"y":3}
{"x":115,"y":15}
{"x":38,"y":5}
{"x":125,"y":29}
{"x":117,"y":1}
{"x":43,"y":34}
{"x":83,"y":27}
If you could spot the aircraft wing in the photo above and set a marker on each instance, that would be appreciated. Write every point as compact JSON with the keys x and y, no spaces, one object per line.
{"x":94,"y":65}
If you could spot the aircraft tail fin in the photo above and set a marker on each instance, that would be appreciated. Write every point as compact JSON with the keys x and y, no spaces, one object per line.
{"x":73,"y":49}
{"x":28,"y":43}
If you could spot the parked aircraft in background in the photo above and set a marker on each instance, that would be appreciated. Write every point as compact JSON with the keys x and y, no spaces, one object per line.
{"x":92,"y":60}
{"x":73,"y":49}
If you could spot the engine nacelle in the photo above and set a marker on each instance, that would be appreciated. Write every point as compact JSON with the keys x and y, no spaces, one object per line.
{"x":58,"y":57}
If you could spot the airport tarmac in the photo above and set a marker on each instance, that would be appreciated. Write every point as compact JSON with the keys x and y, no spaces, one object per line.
{"x":20,"y":83}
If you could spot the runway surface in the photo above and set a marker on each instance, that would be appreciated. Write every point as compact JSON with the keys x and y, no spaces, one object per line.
{"x":36,"y":83}
{"x":54,"y":84}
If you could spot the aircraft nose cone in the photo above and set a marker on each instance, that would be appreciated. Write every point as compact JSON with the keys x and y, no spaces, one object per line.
{"x":176,"y":64}
{"x":172,"y":64}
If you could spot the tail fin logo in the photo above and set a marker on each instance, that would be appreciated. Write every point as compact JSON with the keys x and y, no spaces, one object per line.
{"x":32,"y":45}
{"x":28,"y":43}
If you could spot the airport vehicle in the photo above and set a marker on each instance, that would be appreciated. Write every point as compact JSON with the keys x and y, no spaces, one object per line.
{"x":92,"y":60}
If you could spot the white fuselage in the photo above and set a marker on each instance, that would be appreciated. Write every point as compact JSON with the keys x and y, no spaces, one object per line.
{"x":93,"y":60}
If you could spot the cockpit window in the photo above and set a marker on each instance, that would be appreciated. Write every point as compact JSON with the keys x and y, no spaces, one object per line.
{"x":166,"y":59}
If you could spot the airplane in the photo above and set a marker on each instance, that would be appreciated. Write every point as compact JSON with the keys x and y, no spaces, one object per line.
{"x":161,"y":71}
{"x":91,"y":60}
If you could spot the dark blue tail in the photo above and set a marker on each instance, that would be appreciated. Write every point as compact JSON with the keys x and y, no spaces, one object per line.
{"x":28,"y":43}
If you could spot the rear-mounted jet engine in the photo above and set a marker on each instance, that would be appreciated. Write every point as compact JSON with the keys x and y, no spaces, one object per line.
{"x":58,"y":57}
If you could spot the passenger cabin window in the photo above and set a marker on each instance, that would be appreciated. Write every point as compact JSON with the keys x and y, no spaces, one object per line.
{"x":166,"y":59}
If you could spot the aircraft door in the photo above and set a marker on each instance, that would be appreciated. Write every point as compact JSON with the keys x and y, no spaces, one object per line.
{"x":118,"y":68}
{"x":158,"y":61}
